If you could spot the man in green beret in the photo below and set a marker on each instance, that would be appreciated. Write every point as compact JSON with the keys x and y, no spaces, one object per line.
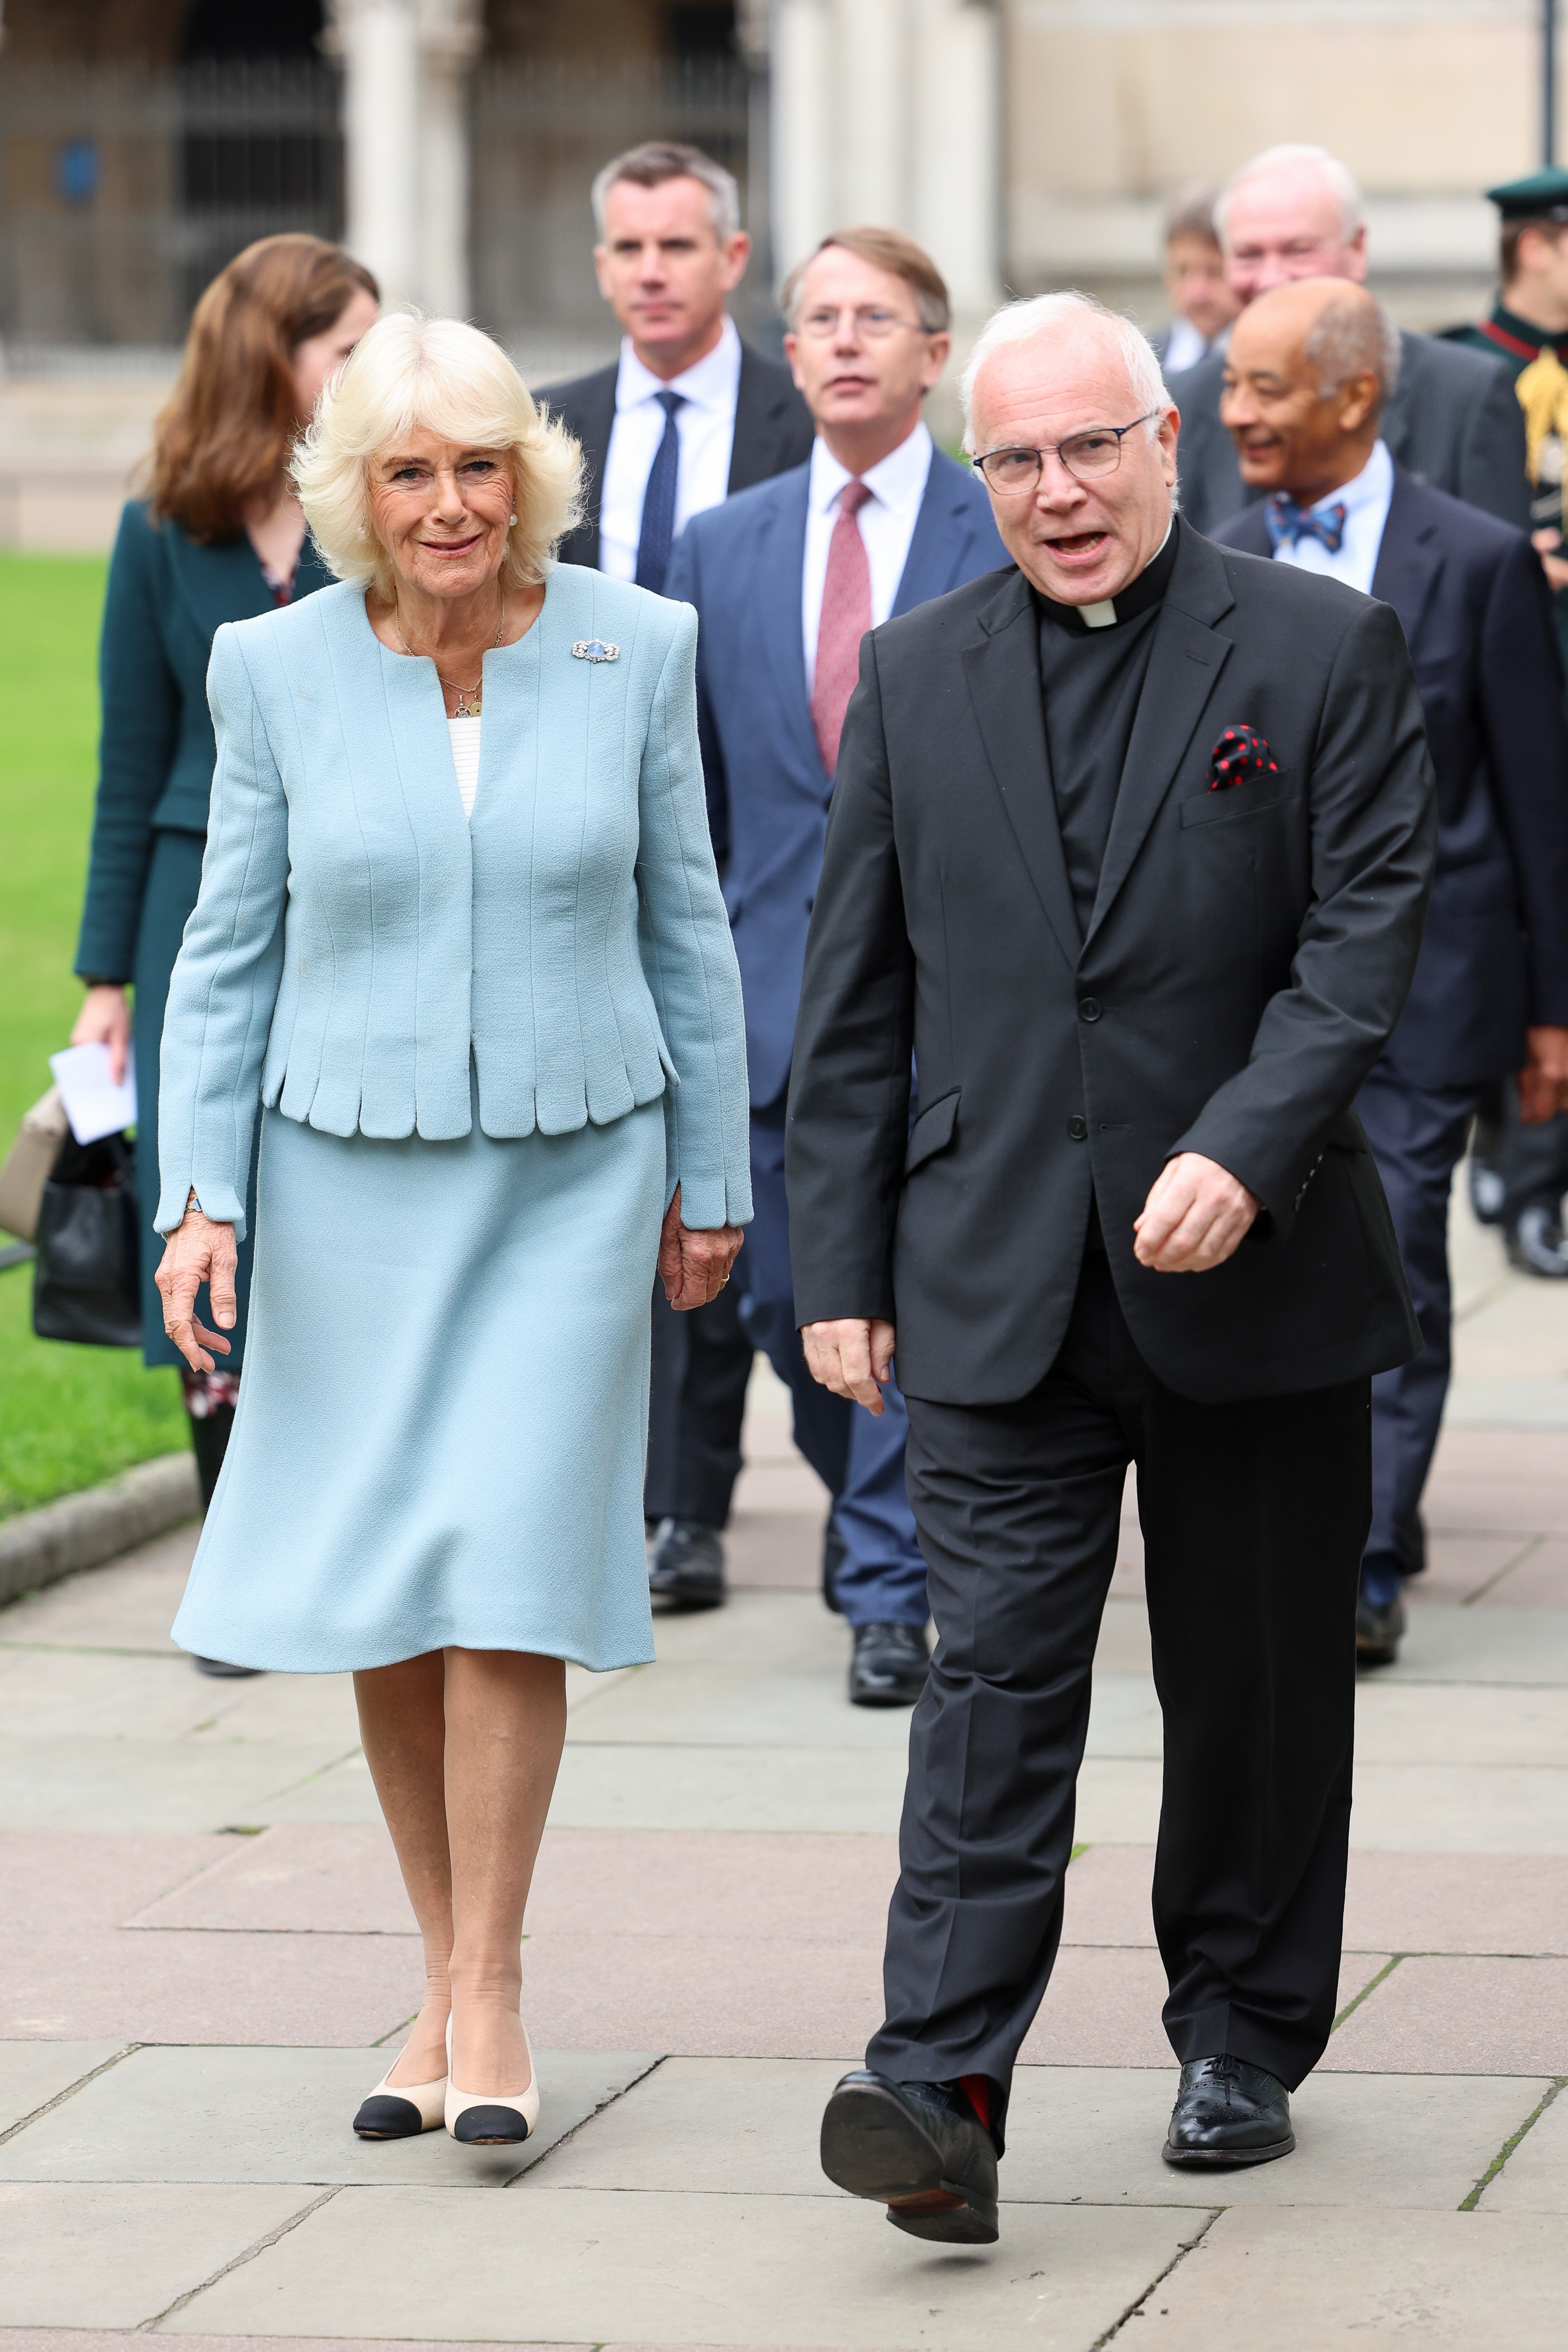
{"x":1517,"y":1177}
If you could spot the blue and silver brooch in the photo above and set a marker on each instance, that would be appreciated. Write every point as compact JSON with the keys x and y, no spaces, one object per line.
{"x":595,"y":649}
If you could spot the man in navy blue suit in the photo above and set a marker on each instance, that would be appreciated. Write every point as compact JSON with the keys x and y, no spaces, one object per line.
{"x":787,"y":578}
{"x":1307,"y":374}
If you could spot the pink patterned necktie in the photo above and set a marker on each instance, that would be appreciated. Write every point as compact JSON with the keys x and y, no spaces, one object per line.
{"x":845,"y":618}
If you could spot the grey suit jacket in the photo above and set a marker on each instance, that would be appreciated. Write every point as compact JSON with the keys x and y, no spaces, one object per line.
{"x":1460,"y":427}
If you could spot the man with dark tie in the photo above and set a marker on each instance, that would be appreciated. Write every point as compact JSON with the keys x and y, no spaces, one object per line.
{"x":1130,"y":849}
{"x":686,"y":417}
{"x":1295,"y":211}
{"x":787,"y":579}
{"x":1308,"y":377}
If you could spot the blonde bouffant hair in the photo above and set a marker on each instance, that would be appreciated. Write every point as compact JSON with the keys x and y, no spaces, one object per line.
{"x":439,"y":375}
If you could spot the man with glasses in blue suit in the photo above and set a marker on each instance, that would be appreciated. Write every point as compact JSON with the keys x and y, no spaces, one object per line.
{"x":787,"y":578}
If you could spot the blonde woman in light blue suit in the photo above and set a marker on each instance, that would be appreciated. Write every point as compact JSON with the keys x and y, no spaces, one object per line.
{"x":460,"y":939}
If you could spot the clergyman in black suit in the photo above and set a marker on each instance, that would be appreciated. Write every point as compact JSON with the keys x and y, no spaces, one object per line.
{"x":1129,"y":851}
{"x":686,"y":417}
{"x":1295,"y":211}
{"x":1308,"y":374}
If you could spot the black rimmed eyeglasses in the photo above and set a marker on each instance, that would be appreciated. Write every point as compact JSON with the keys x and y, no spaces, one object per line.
{"x":1084,"y":455}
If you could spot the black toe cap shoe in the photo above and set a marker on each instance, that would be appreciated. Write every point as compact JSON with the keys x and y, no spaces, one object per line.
{"x":888,"y":1665}
{"x":686,"y":1566}
{"x":920,"y":2150}
{"x":384,"y":2115}
{"x":1227,"y":2111}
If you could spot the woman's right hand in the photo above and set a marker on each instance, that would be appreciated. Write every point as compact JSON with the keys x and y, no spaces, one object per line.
{"x":105,"y":1020}
{"x":198,"y":1250}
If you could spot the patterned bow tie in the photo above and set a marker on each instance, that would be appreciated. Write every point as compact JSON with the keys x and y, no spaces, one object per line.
{"x":1289,"y":522}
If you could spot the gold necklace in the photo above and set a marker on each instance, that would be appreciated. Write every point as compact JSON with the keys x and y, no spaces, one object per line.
{"x":470,"y":699}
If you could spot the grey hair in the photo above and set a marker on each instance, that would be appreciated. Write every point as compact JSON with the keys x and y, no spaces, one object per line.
{"x":1191,"y":215}
{"x":658,"y":160}
{"x":1347,"y":195}
{"x":1021,"y":322}
{"x":1350,"y":338}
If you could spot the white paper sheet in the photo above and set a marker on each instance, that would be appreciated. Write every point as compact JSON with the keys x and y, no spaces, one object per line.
{"x":94,"y":1105}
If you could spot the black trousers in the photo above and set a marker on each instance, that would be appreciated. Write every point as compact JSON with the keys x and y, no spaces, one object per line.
{"x":1418,"y":1136}
{"x":1254,"y":1515}
{"x":696,"y":1403}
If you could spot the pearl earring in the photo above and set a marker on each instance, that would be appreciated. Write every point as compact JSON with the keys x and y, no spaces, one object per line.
{"x":514,"y":522}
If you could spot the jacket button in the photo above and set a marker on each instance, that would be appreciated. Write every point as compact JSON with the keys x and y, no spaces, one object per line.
{"x":811,"y":905}
{"x":1089,"y":1008}
{"x":1078,"y":1128}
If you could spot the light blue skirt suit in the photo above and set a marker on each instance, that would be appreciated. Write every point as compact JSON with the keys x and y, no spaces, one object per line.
{"x":484,"y":1052}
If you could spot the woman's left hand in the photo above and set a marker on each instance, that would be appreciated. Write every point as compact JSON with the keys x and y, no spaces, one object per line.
{"x":693,"y":1265}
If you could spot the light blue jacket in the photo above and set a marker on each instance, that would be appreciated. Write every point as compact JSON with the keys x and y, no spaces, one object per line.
{"x":356,"y":937}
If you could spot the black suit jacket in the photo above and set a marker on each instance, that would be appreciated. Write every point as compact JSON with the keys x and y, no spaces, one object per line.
{"x":1460,"y":427}
{"x":1477,"y":616}
{"x":773,"y":431}
{"x":1250,"y":952}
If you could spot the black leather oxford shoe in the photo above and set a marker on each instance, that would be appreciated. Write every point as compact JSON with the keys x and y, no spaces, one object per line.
{"x":888,"y":1665}
{"x":685,"y":1565}
{"x":1227,"y":2111}
{"x":1536,"y":1245}
{"x":833,"y":1553}
{"x":920,"y":2150}
{"x":1379,"y":1629}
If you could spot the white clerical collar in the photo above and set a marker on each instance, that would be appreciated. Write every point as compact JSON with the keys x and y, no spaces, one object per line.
{"x":897,"y":480}
{"x":1103,"y":616}
{"x":711,"y":381}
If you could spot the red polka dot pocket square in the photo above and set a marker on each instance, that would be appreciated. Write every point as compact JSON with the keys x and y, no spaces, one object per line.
{"x":1240,"y":757}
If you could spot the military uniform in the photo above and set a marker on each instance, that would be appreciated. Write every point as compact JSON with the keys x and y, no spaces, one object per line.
{"x":1529,"y":1163}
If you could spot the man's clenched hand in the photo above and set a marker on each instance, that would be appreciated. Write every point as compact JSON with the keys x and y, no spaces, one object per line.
{"x":852,"y":1358}
{"x":1195,"y":1216}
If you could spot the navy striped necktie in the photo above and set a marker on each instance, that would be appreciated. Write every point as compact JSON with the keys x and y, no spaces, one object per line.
{"x":659,"y":500}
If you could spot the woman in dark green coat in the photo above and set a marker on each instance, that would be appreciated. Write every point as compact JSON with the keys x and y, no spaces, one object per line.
{"x":220,"y":537}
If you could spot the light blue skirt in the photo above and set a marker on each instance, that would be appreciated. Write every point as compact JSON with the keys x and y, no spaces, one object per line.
{"x":444,"y":1417}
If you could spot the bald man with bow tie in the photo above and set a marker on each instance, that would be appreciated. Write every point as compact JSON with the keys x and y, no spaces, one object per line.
{"x":1307,"y":377}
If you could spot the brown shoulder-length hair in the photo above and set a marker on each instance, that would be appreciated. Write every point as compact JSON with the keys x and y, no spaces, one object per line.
{"x":225,"y":432}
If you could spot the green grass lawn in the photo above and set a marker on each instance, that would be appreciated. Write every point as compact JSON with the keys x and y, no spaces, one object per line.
{"x":68,"y":1416}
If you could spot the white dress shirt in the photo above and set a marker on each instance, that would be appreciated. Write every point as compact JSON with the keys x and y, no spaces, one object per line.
{"x":887,"y":519}
{"x":1366,"y":503}
{"x":706,"y":428}
{"x":1185,"y":347}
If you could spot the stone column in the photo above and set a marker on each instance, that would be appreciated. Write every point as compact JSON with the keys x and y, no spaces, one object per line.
{"x":887,"y":111}
{"x":405,"y":131}
{"x":451,"y":34}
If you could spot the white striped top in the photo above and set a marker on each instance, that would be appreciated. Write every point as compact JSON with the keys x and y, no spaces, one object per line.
{"x":465,"y":735}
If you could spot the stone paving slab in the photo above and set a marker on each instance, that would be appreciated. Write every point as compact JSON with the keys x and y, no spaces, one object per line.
{"x":34,"y":2072}
{"x":1460,"y":1809}
{"x":1311,"y":2282}
{"x":129,"y":1605}
{"x":54,"y":1880}
{"x":1454,"y":2016}
{"x":1449,"y":1643}
{"x":78,"y":1984}
{"x":1498,"y":1480}
{"x":1102,"y":2006}
{"x":1423,"y":1724}
{"x":1075,"y":2135}
{"x":100,"y":2339}
{"x":1536,"y":2177}
{"x":689,"y":2270}
{"x":240,"y":2115}
{"x":305,"y":1879}
{"x":88,"y":1782}
{"x":94,"y":2257}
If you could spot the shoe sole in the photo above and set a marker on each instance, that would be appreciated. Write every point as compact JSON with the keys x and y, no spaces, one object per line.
{"x":1376,"y":1654}
{"x":1216,"y":2159}
{"x":874,"y":2147}
{"x":885,"y":1698}
{"x":676,"y":1600}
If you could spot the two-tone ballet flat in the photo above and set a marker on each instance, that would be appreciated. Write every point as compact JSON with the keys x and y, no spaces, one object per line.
{"x":403,"y":2110}
{"x":491,"y":2122}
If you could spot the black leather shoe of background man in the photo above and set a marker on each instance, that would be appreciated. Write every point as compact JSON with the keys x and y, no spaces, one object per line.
{"x":920,"y":2150}
{"x":835,"y":1552}
{"x":888,"y":1665}
{"x":1378,"y":1631}
{"x":1227,"y":2111}
{"x":1536,"y":1245}
{"x":686,"y":1566}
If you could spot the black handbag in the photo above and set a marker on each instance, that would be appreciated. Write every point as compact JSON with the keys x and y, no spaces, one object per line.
{"x":87,"y":1283}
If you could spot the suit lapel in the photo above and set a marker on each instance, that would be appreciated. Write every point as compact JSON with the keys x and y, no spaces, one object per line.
{"x":1184,"y":669}
{"x":1002,"y":668}
{"x":780,"y":560}
{"x":1398,"y":417}
{"x":1408,"y":561}
{"x":593,"y":422}
{"x":943,"y":529}
{"x":760,"y":403}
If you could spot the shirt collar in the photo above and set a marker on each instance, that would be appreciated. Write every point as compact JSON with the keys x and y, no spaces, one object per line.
{"x":1370,"y":488}
{"x":711,"y":381}
{"x":896,"y":481}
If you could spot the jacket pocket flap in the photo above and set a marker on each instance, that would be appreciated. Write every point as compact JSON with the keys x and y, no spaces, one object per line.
{"x":931,"y":1131}
{"x":1237,"y":801}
